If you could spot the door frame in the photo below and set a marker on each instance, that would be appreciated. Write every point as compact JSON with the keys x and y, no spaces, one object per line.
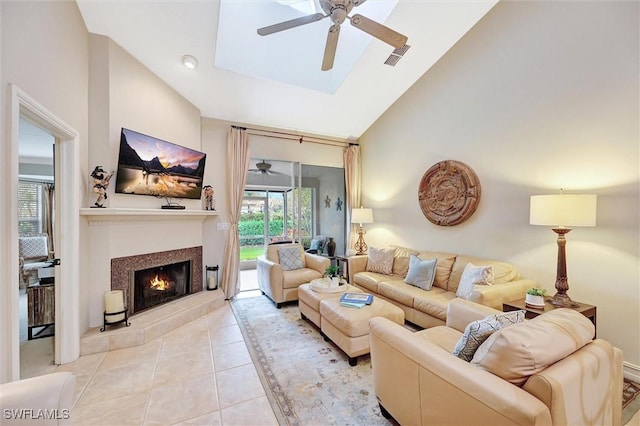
{"x":67,"y":294}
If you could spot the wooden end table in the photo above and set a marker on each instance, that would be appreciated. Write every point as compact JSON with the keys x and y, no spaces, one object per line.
{"x":588,"y":311}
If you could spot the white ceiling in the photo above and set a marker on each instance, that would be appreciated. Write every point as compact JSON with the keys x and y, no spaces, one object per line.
{"x":221,"y":34}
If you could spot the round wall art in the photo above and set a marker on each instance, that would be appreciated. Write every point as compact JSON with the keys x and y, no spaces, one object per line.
{"x":449,"y":193}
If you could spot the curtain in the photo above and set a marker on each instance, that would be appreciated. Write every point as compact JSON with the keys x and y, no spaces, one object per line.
{"x":47,"y":213}
{"x":352,"y":180}
{"x":237,"y":167}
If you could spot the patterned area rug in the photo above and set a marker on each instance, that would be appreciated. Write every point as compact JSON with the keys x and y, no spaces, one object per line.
{"x":310,"y":380}
{"x":630,"y":400}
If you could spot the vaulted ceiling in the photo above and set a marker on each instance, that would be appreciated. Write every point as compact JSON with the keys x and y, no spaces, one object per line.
{"x":276,"y":80}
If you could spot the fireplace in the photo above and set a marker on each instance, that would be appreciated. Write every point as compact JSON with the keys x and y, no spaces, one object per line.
{"x":160,"y":284}
{"x":125,"y":269}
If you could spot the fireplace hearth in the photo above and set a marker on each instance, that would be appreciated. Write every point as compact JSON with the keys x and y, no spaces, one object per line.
{"x":161,"y":284}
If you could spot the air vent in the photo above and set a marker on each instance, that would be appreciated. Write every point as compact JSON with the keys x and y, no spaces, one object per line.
{"x":395,"y":56}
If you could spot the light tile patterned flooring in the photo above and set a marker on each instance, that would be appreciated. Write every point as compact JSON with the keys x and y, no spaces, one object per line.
{"x":199,"y":374}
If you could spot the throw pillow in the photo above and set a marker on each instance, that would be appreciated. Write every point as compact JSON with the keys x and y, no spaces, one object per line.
{"x":478,"y":331}
{"x":474,"y":275}
{"x":315,"y":244}
{"x":380,"y":260}
{"x":421,"y":272}
{"x":290,"y":258}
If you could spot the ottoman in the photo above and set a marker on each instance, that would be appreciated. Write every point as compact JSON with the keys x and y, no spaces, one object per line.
{"x":309,"y":301}
{"x":348,"y":327}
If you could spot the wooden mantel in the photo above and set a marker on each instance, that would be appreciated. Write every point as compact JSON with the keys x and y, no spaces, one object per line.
{"x":127,"y":215}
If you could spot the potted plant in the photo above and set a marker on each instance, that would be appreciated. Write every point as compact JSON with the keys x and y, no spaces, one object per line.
{"x":333,"y":273}
{"x":535,"y":297}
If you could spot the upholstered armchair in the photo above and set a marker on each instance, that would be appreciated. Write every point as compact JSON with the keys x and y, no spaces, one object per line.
{"x":33,"y":254}
{"x":41,"y":400}
{"x":284,"y":267}
{"x":545,"y":371}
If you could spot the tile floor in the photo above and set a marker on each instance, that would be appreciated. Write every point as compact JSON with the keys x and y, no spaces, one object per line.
{"x":199,"y":374}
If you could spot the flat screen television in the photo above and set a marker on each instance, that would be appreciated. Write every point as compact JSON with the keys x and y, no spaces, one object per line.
{"x":151,"y":166}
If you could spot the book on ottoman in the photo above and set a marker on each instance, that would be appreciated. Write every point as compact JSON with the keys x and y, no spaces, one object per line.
{"x":360,"y":298}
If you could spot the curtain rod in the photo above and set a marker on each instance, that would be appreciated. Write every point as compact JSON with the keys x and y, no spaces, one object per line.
{"x":295,"y":137}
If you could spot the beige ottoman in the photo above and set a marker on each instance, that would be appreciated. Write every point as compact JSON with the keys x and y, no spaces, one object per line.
{"x":309,"y":301}
{"x":348,"y":327}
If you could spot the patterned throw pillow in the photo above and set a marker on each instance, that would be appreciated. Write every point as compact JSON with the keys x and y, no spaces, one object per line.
{"x":290,"y":258}
{"x":478,"y":331}
{"x":380,"y":260}
{"x":474,"y":275}
{"x":421,"y":272}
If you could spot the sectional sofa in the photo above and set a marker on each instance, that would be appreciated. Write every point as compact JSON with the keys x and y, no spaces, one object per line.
{"x":429,"y":308}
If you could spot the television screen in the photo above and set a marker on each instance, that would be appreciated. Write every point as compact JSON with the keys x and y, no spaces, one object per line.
{"x":150,"y":166}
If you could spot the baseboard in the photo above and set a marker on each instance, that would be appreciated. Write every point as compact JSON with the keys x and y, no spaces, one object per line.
{"x":631,"y":372}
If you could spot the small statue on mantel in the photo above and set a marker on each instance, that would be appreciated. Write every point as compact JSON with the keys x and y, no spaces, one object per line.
{"x":208,"y":197}
{"x":100,"y":184}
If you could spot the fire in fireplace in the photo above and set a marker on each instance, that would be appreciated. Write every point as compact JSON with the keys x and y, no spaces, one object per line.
{"x":154,"y":286}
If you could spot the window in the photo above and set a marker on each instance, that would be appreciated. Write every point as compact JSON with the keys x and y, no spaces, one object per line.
{"x":29,"y":207}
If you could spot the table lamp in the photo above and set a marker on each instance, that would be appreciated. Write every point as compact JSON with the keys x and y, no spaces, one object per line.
{"x":361,"y":216}
{"x":563,"y":211}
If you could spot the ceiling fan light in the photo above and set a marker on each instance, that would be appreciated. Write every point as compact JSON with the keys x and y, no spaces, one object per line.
{"x":189,"y":61}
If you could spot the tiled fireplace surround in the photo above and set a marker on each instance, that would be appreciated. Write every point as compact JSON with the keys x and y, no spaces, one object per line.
{"x":123,"y":267}
{"x":158,"y":320}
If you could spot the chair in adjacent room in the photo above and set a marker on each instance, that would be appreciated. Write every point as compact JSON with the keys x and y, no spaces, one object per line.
{"x":33,"y":254}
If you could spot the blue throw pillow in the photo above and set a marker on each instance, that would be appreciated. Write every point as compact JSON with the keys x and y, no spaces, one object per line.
{"x":421,"y":272}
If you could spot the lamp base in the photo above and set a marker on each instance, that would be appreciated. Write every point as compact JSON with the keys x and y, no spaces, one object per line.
{"x":360,"y":246}
{"x":563,"y":301}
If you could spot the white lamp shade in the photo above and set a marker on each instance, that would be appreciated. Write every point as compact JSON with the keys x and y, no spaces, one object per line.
{"x":563,"y":210}
{"x":361,"y":216}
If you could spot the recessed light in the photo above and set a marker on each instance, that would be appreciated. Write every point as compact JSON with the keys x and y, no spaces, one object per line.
{"x":189,"y":61}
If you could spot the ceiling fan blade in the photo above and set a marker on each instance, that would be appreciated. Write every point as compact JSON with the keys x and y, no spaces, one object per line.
{"x":357,"y":2}
{"x":330,"y":47}
{"x":379,"y":31}
{"x":290,"y":24}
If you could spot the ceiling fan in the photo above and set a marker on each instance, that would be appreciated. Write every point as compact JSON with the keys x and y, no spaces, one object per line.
{"x":264,"y":168}
{"x":338,"y":11}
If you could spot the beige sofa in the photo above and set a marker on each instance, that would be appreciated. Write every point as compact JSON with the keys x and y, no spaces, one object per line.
{"x":281,"y":285}
{"x":429,"y":308}
{"x":544,"y":371}
{"x":41,"y":400}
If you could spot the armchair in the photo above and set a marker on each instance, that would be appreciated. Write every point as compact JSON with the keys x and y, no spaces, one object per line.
{"x":544,"y":371}
{"x":51,"y":394}
{"x":278,"y":280}
{"x":33,"y":253}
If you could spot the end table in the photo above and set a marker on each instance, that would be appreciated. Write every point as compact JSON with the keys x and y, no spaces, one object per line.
{"x":588,"y":311}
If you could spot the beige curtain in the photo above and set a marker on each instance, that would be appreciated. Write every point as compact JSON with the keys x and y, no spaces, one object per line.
{"x":47,"y":214}
{"x":352,"y":180}
{"x":237,"y":166}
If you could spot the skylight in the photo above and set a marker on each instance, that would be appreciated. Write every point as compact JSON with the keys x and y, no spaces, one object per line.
{"x":305,"y":6}
{"x":293,"y":56}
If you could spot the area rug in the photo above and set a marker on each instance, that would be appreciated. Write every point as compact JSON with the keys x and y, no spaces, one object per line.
{"x":310,"y":379}
{"x":630,"y":400}
{"x":310,"y":382}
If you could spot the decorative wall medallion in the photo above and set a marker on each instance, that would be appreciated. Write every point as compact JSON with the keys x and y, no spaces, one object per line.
{"x":449,"y":193}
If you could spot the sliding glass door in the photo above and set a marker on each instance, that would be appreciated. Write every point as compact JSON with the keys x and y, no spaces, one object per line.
{"x":288,"y":201}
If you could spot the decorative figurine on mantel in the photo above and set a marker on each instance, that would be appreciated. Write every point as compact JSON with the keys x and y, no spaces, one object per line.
{"x":100,"y":184}
{"x":208,"y":197}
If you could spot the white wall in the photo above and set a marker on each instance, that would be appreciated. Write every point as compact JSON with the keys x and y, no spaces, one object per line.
{"x":537,"y":96}
{"x":44,"y":52}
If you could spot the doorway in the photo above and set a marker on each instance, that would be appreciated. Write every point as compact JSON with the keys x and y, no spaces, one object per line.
{"x":67,"y":343}
{"x":36,"y":248}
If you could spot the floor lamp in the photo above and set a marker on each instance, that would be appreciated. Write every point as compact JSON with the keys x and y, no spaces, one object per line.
{"x":361,"y":216}
{"x":562,"y":211}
